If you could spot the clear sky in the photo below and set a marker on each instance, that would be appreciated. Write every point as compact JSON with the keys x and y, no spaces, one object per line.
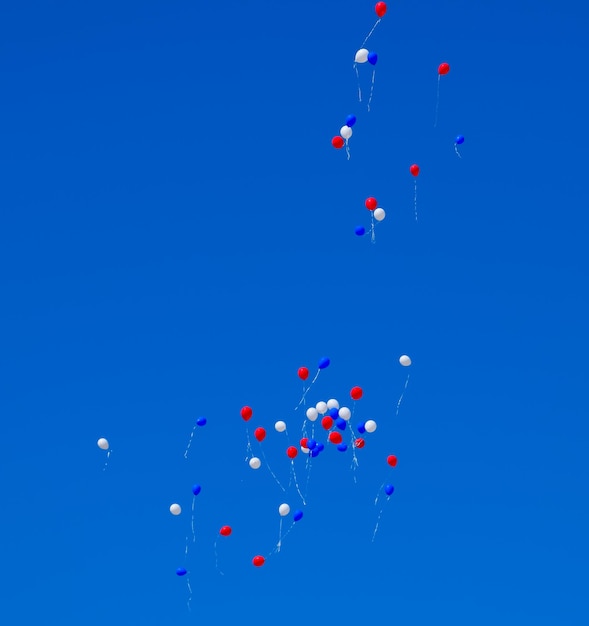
{"x":177,"y":239}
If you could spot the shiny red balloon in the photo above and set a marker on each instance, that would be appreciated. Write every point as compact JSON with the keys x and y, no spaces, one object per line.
{"x":356,"y":393}
{"x":327,"y":422}
{"x":380,"y":8}
{"x":260,"y":434}
{"x":291,"y":452}
{"x":337,"y":142}
{"x":225,"y":531}
{"x":305,"y":442}
{"x":443,"y":69}
{"x":414,"y":169}
{"x":359,"y":443}
{"x":246,"y":413}
{"x":258,"y":561}
{"x":335,"y":437}
{"x":303,"y":373}
{"x":392,"y":460}
{"x":371,"y":203}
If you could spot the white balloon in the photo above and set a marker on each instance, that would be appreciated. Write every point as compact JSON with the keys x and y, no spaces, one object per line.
{"x":345,"y":132}
{"x":280,"y":426}
{"x":305,"y":450}
{"x":102,"y":443}
{"x":405,"y":361}
{"x":175,"y":509}
{"x":321,"y":407}
{"x":312,"y":413}
{"x":361,"y":56}
{"x":332,"y":404}
{"x":345,"y":413}
{"x":379,"y":214}
{"x":284,"y":509}
{"x":255,"y":463}
{"x":370,"y":426}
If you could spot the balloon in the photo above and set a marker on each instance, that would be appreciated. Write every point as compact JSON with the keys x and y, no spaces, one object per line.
{"x":372,"y":58}
{"x":379,"y":214}
{"x":225,"y":531}
{"x":304,"y":442}
{"x":361,"y":56}
{"x":196,"y":489}
{"x":175,"y":509}
{"x":342,"y":447}
{"x":332,"y":403}
{"x":333,"y":413}
{"x":335,"y":437}
{"x":321,"y":407}
{"x":345,"y":132}
{"x":340,"y":423}
{"x":414,"y":169}
{"x":443,"y":69}
{"x":181,"y":571}
{"x":280,"y":426}
{"x":260,"y":434}
{"x":388,"y":489}
{"x":255,"y":463}
{"x":459,"y":139}
{"x":258,"y":561}
{"x":323,"y":363}
{"x":338,"y":142}
{"x":246,"y":413}
{"x":405,"y":361}
{"x":303,"y":373}
{"x":201,"y":421}
{"x":361,"y":428}
{"x":380,"y":8}
{"x":284,"y":509}
{"x":350,"y":120}
{"x":291,"y":452}
{"x":327,"y":422}
{"x":360,"y":230}
{"x":345,"y":413}
{"x":320,"y":447}
{"x":356,"y":393}
{"x":315,"y":452}
{"x":102,"y":443}
{"x":392,"y":460}
{"x":312,"y":413}
{"x":370,"y":426}
{"x":297,"y":515}
{"x":371,"y":203}
{"x":359,"y":443}
{"x":311,"y":444}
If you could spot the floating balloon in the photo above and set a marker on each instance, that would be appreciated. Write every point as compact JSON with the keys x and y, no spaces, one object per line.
{"x":345,"y":132}
{"x":444,"y":68}
{"x":201,"y":421}
{"x":371,"y":203}
{"x":297,"y":515}
{"x":284,"y":509}
{"x":255,"y":463}
{"x":225,"y":531}
{"x":303,"y":373}
{"x":323,"y":363}
{"x":356,"y":393}
{"x":404,"y":360}
{"x":414,"y":169}
{"x":102,"y":443}
{"x":361,"y":428}
{"x":327,"y":422}
{"x":380,"y":8}
{"x":338,"y":142}
{"x":345,"y":413}
{"x":333,"y":413}
{"x":361,"y":56}
{"x":175,"y":509}
{"x":260,"y":434}
{"x":335,"y":437}
{"x":340,"y":422}
{"x":392,"y":460}
{"x":246,"y":413}
{"x":258,"y":561}
{"x":457,"y":142}
{"x":359,"y":443}
{"x":196,"y":489}
{"x":372,"y":58}
{"x":305,"y":443}
{"x":312,"y":413}
{"x":342,"y":447}
{"x":370,"y":426}
{"x":350,"y":120}
{"x":280,"y":426}
{"x":311,"y":444}
{"x":388,"y":489}
{"x":321,"y":407}
{"x":379,"y":214}
{"x":360,"y":230}
{"x":181,"y":571}
{"x":332,"y":403}
{"x":291,"y":452}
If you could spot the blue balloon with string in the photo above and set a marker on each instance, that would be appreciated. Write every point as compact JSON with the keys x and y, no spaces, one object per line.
{"x":350,"y":120}
{"x":181,"y":571}
{"x":459,"y":140}
{"x":297,"y":515}
{"x":196,"y":489}
{"x":323,"y":363}
{"x":388,"y":489}
{"x":360,"y":230}
{"x":201,"y":421}
{"x":372,"y":58}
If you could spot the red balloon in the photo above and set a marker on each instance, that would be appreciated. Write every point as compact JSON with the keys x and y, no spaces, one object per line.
{"x":291,"y":452}
{"x":380,"y":8}
{"x":335,"y":437}
{"x":258,"y":561}
{"x":303,"y":373}
{"x":371,"y":203}
{"x":337,"y":142}
{"x":225,"y":531}
{"x":246,"y":413}
{"x":327,"y":422}
{"x":414,"y":169}
{"x":305,"y":442}
{"x":356,"y":393}
{"x":260,"y":434}
{"x":443,"y":69}
{"x":392,"y":460}
{"x":359,"y":443}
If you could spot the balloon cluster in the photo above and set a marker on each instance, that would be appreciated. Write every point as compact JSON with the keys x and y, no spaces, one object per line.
{"x":338,"y":141}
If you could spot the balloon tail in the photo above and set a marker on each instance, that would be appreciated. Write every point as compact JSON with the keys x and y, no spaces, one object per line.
{"x":456,"y":150}
{"x":217,"y":559}
{"x":370,"y":33}
{"x":307,"y":390}
{"x":377,"y":523}
{"x":192,"y":520}
{"x":189,"y":442}
{"x":437,"y":103}
{"x":296,"y":482}
{"x":415,"y":199}
{"x":279,"y":544}
{"x":106,"y":462}
{"x":402,"y":394}
{"x":371,"y":88}
{"x":372,"y":232}
{"x":354,"y":457}
{"x":378,"y":494}
{"x":358,"y":80}
{"x":189,"y":594}
{"x":348,"y":150}
{"x":248,"y":450}
{"x":270,"y":470}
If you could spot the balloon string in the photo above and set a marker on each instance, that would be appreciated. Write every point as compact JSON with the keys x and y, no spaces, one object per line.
{"x":456,"y":150}
{"x":370,"y":33}
{"x":270,"y":469}
{"x":358,"y":80}
{"x":278,"y":545}
{"x":354,"y":457}
{"x":437,"y":102}
{"x":371,"y":88}
{"x":378,"y":494}
{"x":189,"y":594}
{"x":192,"y":520}
{"x":415,"y":199}
{"x":377,"y":523}
{"x":372,"y":233}
{"x":348,"y":150}
{"x":277,"y":549}
{"x":189,"y":442}
{"x":307,"y":390}
{"x":402,"y":393}
{"x":106,"y":462}
{"x":296,"y":482}
{"x":217,"y":558}
{"x":248,"y":450}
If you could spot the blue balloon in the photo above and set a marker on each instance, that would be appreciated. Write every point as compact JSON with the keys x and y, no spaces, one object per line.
{"x":320,"y":447}
{"x":340,"y":422}
{"x":181,"y":571}
{"x":311,"y":444}
{"x":297,"y":515}
{"x":360,"y":428}
{"x":350,"y":120}
{"x":388,"y":489}
{"x":323,"y":363}
{"x":333,"y":413}
{"x":315,"y":452}
{"x":342,"y":447}
{"x":459,"y":139}
{"x":372,"y":58}
{"x":360,"y":230}
{"x":196,"y":489}
{"x":201,"y":421}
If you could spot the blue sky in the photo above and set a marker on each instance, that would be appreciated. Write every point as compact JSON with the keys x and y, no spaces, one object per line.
{"x":177,"y":239}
